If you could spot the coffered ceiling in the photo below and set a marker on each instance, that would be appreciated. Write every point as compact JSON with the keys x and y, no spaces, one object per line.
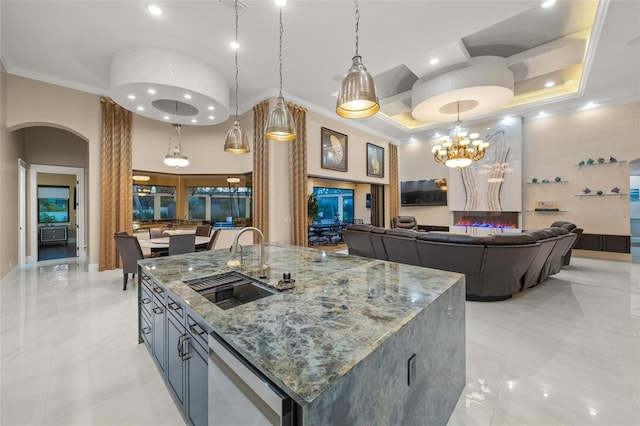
{"x":589,"y":50}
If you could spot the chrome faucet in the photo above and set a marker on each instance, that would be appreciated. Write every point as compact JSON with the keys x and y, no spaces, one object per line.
{"x":234,"y":248}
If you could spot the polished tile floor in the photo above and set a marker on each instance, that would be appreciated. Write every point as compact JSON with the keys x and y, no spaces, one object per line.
{"x":567,"y":352}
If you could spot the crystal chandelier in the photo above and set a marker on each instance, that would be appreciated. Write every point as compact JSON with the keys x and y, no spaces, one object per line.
{"x":174,"y":157}
{"x":236,"y":140}
{"x":460,"y":148}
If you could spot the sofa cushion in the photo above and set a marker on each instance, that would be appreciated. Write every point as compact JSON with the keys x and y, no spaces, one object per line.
{"x":564,"y":224}
{"x":377,"y":230}
{"x":359,"y":227}
{"x":510,"y":239}
{"x":399,"y":232}
{"x":538,"y":235}
{"x":559,"y":230}
{"x":450,"y":238}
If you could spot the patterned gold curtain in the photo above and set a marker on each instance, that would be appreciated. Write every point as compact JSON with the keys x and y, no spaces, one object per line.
{"x":394,"y":181}
{"x":298,"y":177}
{"x":377,"y":205}
{"x":261,"y":169}
{"x":116,"y":181}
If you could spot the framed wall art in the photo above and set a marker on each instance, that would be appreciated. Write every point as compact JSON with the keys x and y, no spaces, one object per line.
{"x":334,"y":150}
{"x":375,"y":160}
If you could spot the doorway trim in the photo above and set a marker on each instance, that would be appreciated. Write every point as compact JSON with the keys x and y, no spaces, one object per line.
{"x":22,"y":211}
{"x":34,"y":169}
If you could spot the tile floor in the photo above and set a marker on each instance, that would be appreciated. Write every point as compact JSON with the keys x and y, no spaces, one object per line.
{"x":567,"y":352}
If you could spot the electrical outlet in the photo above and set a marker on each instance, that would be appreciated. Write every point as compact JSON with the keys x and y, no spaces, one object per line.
{"x":411,"y":370}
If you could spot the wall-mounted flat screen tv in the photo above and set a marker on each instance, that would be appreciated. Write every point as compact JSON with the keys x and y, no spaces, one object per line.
{"x":53,"y":204}
{"x":429,"y":192}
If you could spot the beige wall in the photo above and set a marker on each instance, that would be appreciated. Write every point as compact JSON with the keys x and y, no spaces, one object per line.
{"x":54,"y":147}
{"x":552,"y":147}
{"x":33,"y":103}
{"x":203,"y":145}
{"x":11,"y":148}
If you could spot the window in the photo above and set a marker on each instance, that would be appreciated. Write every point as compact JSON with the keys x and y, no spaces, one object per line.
{"x":336,"y":205}
{"x":219,"y":203}
{"x":154,"y":202}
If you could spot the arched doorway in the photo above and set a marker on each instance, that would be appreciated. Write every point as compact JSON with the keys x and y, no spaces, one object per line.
{"x":54,"y":163}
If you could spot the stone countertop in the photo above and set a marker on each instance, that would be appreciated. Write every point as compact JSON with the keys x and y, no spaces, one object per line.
{"x":304,"y":339}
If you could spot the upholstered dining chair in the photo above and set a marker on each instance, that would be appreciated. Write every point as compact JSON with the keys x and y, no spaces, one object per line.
{"x":130,"y":252}
{"x":212,"y":242}
{"x":203,"y":230}
{"x":156,"y":232}
{"x":182,"y":243}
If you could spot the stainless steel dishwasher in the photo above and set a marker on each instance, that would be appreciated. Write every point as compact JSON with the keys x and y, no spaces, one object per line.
{"x":239,"y":394}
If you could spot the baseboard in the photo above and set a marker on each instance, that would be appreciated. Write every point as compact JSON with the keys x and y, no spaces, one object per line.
{"x":605,"y":255}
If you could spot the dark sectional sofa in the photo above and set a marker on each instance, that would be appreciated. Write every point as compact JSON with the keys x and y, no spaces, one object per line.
{"x":496,"y":266}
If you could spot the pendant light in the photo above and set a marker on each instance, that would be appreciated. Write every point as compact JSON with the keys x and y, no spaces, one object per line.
{"x":174,"y":157}
{"x":236,"y":141}
{"x":280,"y":124}
{"x":357,"y":97}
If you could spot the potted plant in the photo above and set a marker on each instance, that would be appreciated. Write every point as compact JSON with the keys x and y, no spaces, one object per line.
{"x":312,"y":207}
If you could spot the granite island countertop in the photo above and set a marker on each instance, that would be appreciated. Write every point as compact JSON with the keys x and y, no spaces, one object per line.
{"x":305,"y":339}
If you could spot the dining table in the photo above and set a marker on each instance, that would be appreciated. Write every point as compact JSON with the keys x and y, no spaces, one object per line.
{"x":163,"y":242}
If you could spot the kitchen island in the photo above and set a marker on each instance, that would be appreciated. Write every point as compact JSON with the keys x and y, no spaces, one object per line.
{"x":356,"y":341}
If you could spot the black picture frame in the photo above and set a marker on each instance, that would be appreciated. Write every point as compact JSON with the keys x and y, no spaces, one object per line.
{"x":375,"y":160}
{"x":334,"y":150}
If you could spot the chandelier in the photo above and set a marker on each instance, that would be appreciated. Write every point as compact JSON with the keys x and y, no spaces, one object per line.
{"x":460,"y":148}
{"x":174,"y":157}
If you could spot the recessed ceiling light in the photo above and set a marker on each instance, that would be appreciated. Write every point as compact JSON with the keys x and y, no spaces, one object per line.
{"x":154,"y":10}
{"x":193,"y":120}
{"x":549,"y":84}
{"x":187,"y":96}
{"x":542,"y":113}
{"x":211,"y":117}
{"x":437,"y":135}
{"x":152,"y":91}
{"x":507,"y":120}
{"x":132,"y":97}
{"x":488,"y":128}
{"x":140,"y":108}
{"x":548,"y":3}
{"x":280,"y":2}
{"x":590,"y":104}
{"x":234,"y":45}
{"x":434,"y":61}
{"x":210,"y":108}
{"x":166,"y":117}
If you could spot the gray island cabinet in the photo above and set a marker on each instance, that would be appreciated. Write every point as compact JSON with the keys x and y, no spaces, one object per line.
{"x":357,"y":341}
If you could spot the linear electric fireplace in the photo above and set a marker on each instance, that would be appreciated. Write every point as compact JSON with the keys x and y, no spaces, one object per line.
{"x":502,"y":220}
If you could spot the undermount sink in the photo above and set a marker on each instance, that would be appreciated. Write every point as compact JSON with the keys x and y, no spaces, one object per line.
{"x":230,"y":289}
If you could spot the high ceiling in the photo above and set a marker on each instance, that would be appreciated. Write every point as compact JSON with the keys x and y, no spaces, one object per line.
{"x":590,"y":49}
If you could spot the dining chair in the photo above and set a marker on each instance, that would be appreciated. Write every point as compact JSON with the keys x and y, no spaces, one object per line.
{"x":156,"y":232}
{"x":212,"y":242}
{"x":182,"y":243}
{"x":130,"y":252}
{"x":203,"y":231}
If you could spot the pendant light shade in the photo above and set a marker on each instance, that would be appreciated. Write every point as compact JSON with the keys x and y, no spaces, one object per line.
{"x":280,"y":123}
{"x":357,"y":97}
{"x":236,"y":140}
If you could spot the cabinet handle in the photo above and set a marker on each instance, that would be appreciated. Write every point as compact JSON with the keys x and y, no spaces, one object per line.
{"x":157,"y":311}
{"x":146,"y":330}
{"x":158,"y":290}
{"x":174,"y":306}
{"x":179,"y":347}
{"x":184,"y":353}
{"x":195,"y":331}
{"x":146,"y":301}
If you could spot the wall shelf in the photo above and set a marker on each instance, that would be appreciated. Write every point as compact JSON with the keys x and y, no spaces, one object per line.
{"x":606,"y":163}
{"x":603,"y":195}
{"x":561,"y":182}
{"x":547,"y":211}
